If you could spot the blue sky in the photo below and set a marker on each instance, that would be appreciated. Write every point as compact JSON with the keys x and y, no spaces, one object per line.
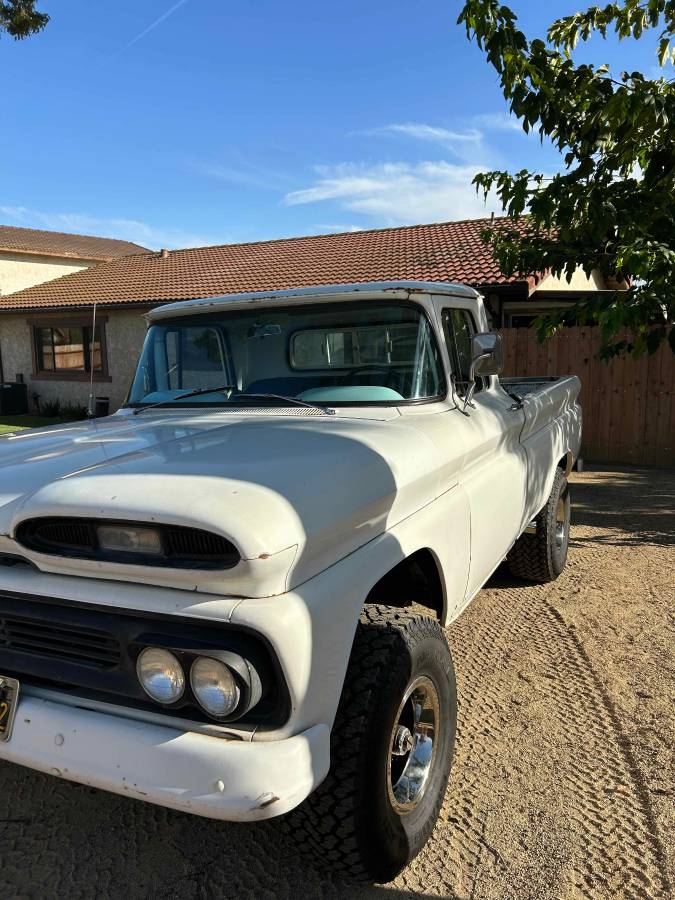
{"x":198,"y":122}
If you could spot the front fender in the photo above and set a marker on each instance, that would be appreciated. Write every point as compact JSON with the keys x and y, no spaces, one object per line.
{"x":312,"y":627}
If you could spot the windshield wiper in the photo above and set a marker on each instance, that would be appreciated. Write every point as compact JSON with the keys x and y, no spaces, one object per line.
{"x":240,"y":395}
{"x":196,"y":393}
{"x":244,"y":395}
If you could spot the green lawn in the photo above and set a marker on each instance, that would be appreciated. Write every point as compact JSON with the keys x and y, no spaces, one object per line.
{"x":20,"y":423}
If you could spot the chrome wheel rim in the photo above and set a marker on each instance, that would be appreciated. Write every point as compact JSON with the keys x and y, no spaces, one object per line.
{"x":561,"y":520}
{"x":412,"y":745}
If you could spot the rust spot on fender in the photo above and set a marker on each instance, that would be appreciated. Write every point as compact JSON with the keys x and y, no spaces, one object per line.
{"x":265,"y":800}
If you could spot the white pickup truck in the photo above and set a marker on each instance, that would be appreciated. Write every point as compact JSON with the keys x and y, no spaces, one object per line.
{"x":228,"y":597}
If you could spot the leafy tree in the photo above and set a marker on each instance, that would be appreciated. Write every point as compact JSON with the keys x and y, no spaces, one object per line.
{"x":612,"y":205}
{"x":20,"y":18}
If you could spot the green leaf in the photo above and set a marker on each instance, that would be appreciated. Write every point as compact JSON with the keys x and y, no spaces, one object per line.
{"x":611,"y":207}
{"x":20,"y":19}
{"x":664,"y":50}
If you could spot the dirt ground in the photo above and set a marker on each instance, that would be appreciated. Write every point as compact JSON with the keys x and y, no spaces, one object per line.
{"x":563,"y":783}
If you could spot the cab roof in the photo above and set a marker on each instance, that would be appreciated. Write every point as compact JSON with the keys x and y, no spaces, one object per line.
{"x":371,"y":290}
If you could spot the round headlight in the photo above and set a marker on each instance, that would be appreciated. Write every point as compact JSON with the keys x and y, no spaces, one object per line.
{"x":160,"y":674}
{"x":214,"y":686}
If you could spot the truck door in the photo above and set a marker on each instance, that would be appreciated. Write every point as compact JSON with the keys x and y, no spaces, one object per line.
{"x":495,"y":468}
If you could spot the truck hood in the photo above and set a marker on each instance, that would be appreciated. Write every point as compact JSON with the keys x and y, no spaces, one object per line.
{"x":294,"y":492}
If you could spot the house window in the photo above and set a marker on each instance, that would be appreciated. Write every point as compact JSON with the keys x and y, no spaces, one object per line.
{"x":69,"y":349}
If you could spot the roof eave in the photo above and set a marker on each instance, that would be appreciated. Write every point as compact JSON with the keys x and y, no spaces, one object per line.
{"x":53,"y":254}
{"x":78,"y":307}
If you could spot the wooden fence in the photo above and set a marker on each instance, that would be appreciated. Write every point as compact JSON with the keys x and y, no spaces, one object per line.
{"x":628,"y":405}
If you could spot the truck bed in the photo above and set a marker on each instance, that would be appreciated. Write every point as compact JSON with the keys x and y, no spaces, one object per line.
{"x":525,"y":386}
{"x":550,"y":405}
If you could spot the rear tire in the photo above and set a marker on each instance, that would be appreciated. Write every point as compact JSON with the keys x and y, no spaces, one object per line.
{"x":540,"y":557}
{"x":391,"y":751}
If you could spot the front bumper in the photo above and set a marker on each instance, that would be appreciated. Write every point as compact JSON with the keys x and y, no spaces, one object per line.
{"x":267,"y":772}
{"x":196,"y":773}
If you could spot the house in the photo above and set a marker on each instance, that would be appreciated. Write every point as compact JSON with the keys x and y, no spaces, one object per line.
{"x":29,"y":256}
{"x":46,"y":330}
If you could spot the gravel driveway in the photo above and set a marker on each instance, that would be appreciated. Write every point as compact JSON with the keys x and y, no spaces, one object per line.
{"x":563,"y":781}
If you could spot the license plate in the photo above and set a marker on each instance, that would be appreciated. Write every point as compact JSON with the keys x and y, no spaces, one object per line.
{"x":9,"y":697}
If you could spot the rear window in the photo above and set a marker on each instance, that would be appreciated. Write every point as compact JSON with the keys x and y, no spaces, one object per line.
{"x":354,"y":347}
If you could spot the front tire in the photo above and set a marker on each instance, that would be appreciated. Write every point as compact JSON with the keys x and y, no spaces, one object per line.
{"x":540,"y":556}
{"x":391,"y":750}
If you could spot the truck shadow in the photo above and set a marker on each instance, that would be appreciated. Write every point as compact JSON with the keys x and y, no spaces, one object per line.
{"x":72,"y":840}
{"x":624,"y":506}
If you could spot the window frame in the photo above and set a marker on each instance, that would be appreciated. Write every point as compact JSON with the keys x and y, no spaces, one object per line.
{"x":453,"y":353}
{"x":83,"y":322}
{"x":198,"y":319}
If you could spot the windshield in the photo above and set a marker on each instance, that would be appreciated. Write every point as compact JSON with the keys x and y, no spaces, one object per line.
{"x":333,"y":354}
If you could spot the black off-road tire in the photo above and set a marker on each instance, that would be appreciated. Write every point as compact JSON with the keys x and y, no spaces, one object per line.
{"x":541,"y":557}
{"x":349,"y":826}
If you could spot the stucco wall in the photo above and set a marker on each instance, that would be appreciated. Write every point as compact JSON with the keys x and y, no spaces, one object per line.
{"x":125,"y":331}
{"x":580,"y":282}
{"x":22,"y":270}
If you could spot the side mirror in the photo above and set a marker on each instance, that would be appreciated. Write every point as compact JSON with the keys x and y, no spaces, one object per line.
{"x":487,"y":358}
{"x":487,"y":354}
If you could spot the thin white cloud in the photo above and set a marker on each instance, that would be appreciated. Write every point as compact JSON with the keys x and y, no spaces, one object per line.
{"x":498,"y":122}
{"x":242,"y":174}
{"x":463,"y":144}
{"x":151,"y":27}
{"x":338,"y":228}
{"x":467,"y":144}
{"x":125,"y":229}
{"x":399,"y":193}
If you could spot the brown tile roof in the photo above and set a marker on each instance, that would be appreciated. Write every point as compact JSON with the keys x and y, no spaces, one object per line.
{"x":57,"y":243}
{"x":451,"y":251}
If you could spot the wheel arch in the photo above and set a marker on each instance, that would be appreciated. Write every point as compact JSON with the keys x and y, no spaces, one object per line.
{"x":566,"y":462}
{"x":416,"y":579}
{"x":314,"y":633}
